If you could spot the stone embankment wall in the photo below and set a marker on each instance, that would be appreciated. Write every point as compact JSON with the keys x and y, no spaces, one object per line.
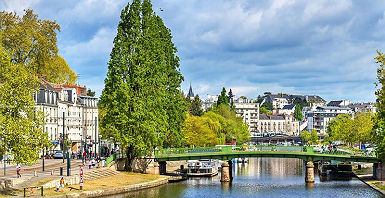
{"x":7,"y":183}
{"x":117,"y":190}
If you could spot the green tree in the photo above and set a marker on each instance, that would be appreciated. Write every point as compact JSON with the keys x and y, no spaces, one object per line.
{"x":202,"y":131}
{"x":222,"y":99}
{"x":31,"y":42}
{"x":90,"y":93}
{"x":231,"y":100}
{"x":306,"y":137}
{"x":196,"y":106}
{"x":268,"y":105}
{"x":351,"y":130}
{"x":21,"y":124}
{"x":142,"y":102}
{"x":379,"y":125}
{"x":260,"y":99}
{"x":233,"y":126}
{"x":298,"y":113}
{"x":314,"y":139}
{"x":263,"y":110}
{"x":341,"y":128}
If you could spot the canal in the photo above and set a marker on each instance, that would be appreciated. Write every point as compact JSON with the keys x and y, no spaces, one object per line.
{"x":261,"y":177}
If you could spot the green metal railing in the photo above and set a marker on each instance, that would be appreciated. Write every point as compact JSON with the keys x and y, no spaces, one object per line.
{"x":110,"y":159}
{"x":257,"y":148}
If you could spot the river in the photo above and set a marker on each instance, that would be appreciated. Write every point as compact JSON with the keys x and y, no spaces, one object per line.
{"x":261,"y":177}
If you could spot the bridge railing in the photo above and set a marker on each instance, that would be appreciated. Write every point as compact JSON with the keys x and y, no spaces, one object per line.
{"x":229,"y":149}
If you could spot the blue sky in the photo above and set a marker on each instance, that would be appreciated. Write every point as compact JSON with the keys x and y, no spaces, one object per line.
{"x":293,"y":46}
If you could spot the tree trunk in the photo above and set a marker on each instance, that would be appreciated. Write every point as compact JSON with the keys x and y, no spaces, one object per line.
{"x":129,"y":158}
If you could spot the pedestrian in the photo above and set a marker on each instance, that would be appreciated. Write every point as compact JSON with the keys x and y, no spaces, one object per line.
{"x":93,"y":163}
{"x":89,"y":164}
{"x":18,"y":168}
{"x":62,"y":182}
{"x":84,"y":154}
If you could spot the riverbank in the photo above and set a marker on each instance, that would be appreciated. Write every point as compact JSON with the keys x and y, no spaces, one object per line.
{"x":366,"y":176}
{"x":120,"y":183}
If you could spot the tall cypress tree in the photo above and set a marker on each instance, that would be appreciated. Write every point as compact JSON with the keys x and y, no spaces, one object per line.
{"x":141,"y":100}
{"x":222,"y":99}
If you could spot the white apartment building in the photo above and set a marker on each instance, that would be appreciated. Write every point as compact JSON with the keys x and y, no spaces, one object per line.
{"x":79,"y":112}
{"x":319,"y":117}
{"x":249,"y":112}
{"x":46,"y":101}
{"x":277,"y":125}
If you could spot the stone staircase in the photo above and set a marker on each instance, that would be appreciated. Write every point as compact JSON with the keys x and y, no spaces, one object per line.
{"x":99,"y":173}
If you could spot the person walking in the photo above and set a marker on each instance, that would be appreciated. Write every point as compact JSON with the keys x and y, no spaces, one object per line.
{"x":89,"y":164}
{"x":62,"y":182}
{"x":18,"y":169}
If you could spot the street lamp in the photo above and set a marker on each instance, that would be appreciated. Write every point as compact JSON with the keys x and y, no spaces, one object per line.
{"x":100,"y":155}
{"x":81,"y":148}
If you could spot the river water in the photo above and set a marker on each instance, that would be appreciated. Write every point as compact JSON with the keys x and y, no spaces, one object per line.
{"x":261,"y":177}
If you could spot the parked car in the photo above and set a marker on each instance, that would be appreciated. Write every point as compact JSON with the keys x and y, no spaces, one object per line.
{"x":58,"y":155}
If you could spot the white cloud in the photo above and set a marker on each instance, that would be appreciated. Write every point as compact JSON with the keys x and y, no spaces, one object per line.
{"x":17,"y":5}
{"x":98,"y":46}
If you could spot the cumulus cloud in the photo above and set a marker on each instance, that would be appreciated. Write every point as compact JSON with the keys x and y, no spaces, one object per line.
{"x":320,"y":47}
{"x":17,"y":6}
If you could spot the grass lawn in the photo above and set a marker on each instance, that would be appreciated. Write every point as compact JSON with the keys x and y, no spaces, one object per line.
{"x":122,"y":179}
{"x":364,"y":171}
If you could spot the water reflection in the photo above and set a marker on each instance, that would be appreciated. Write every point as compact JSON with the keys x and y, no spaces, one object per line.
{"x":262,"y":177}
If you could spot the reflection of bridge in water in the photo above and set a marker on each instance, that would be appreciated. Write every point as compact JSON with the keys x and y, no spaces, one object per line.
{"x":227,"y":153}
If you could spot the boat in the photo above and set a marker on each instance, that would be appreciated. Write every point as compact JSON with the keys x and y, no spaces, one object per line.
{"x":203,"y":167}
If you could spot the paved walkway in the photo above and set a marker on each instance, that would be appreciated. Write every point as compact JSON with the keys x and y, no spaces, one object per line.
{"x":49,"y":164}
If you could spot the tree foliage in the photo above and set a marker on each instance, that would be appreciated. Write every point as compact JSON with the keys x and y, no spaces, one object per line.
{"x":202,"y":131}
{"x":298,"y":113}
{"x":31,"y":42}
{"x":231,"y":99}
{"x":222,"y":98}
{"x":263,"y":110}
{"x":142,"y":101}
{"x":378,"y":133}
{"x":21,"y":124}
{"x":310,"y":138}
{"x":351,"y":130}
{"x":90,"y":93}
{"x":302,"y":103}
{"x":233,"y":126}
{"x":220,"y":121}
{"x":195,"y":108}
{"x":268,"y":105}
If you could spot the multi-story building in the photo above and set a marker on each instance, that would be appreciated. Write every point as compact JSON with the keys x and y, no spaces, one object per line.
{"x":69,"y":103}
{"x":280,"y":100}
{"x":363,"y":107}
{"x":319,"y":117}
{"x":287,"y":109}
{"x":277,"y":125}
{"x":249,"y":113}
{"x":46,"y":100}
{"x":338,"y":103}
{"x":208,"y":103}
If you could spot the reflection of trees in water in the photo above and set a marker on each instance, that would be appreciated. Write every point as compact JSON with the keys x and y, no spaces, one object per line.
{"x":279,"y":167}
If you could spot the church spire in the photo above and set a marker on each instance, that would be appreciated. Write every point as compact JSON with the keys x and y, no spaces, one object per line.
{"x":190,"y":92}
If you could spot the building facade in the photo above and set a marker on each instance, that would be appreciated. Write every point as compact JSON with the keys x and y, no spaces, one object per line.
{"x":68,"y":108}
{"x":273,"y":125}
{"x":319,"y":117}
{"x":249,"y":113}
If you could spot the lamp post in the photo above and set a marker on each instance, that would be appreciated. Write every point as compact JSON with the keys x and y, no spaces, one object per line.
{"x":96,"y":133}
{"x":81,"y":148}
{"x":63,"y":139}
{"x":100,"y":154}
